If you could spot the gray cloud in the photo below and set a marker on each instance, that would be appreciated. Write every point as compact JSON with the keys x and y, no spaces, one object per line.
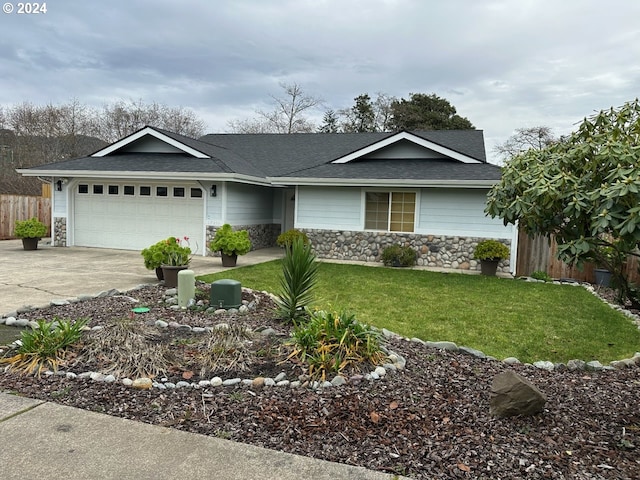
{"x":503,"y":64}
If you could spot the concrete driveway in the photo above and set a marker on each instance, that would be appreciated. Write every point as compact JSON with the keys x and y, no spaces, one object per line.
{"x":34,"y":278}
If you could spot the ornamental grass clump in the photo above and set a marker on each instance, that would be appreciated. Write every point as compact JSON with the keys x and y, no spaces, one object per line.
{"x":331,"y":342}
{"x":298,"y":281}
{"x":45,"y":347}
{"x":227,"y":349}
{"x":126,"y":348}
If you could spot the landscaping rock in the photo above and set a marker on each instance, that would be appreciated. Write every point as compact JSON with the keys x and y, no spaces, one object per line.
{"x":544,"y":365}
{"x":576,"y":365}
{"x":216,"y":381}
{"x":512,"y":361}
{"x":472,"y":351}
{"x":142,"y":383}
{"x":448,"y":346}
{"x":594,"y":366}
{"x":512,"y":394}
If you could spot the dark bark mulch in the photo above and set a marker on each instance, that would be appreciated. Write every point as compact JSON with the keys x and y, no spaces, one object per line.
{"x":429,"y":421}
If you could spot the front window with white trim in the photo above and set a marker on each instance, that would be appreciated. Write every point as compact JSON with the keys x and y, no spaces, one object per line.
{"x":390,"y":211}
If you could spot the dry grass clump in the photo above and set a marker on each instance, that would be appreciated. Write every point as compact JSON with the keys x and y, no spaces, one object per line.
{"x":227,"y":348}
{"x":126,"y":348}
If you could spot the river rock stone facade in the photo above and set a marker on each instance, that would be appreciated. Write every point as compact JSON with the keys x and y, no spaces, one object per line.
{"x":262,"y":235}
{"x":59,"y":232}
{"x":433,"y":250}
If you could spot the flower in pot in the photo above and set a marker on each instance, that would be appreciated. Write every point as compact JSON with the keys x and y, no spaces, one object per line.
{"x":31,"y":231}
{"x":287,"y":238}
{"x":178,"y":256}
{"x":230,"y":243}
{"x":490,"y":252}
{"x":167,"y":253}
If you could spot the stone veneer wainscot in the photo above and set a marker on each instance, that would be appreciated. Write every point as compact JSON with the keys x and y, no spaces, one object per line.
{"x":433,"y":250}
{"x":60,"y":232}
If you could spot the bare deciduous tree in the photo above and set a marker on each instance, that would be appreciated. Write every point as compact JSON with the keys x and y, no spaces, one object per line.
{"x":286,"y":117}
{"x":524,"y":139}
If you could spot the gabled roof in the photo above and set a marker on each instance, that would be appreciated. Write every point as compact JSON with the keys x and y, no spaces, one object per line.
{"x":314,"y":158}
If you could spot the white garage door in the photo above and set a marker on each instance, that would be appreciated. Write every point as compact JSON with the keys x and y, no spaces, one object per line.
{"x":132,"y":216}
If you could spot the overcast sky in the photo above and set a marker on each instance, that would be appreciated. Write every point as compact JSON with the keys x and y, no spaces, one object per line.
{"x":504,"y":64}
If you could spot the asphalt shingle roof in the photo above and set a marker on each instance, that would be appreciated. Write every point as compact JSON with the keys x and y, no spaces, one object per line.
{"x":298,"y":155}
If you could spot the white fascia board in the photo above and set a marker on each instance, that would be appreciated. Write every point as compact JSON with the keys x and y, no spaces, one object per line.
{"x":376,"y":182}
{"x":412,"y":138}
{"x":149,"y":131}
{"x":137,"y":175}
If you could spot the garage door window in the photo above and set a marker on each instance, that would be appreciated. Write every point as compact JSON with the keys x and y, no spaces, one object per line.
{"x":113,"y":190}
{"x":98,"y":189}
{"x":196,"y":193}
{"x":83,"y":188}
{"x":129,"y":190}
{"x":161,"y":191}
{"x":178,"y":191}
{"x":145,"y":191}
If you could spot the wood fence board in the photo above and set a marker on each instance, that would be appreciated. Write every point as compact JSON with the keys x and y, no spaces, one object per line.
{"x":23,"y":207}
{"x":537,"y":254}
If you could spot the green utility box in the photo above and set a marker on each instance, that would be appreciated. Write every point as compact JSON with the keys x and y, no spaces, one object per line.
{"x":225,"y":293}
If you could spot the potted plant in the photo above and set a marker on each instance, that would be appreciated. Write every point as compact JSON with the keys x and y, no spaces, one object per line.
{"x":156,"y":255}
{"x":398,"y":256}
{"x":287,"y":238}
{"x":230,"y":244}
{"x":31,"y":231}
{"x":167,"y":257}
{"x":490,"y":252}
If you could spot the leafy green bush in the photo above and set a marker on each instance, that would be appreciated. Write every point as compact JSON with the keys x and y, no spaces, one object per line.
{"x":169,"y":251}
{"x":231,"y":242}
{"x":32,"y":228}
{"x":491,"y":250}
{"x":399,"y":256}
{"x":330,"y":342}
{"x":286,"y":239}
{"x":298,"y":280}
{"x":45,"y":346}
{"x":541,"y":275}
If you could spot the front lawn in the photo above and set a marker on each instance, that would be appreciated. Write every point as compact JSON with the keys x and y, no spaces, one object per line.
{"x":530,"y":321}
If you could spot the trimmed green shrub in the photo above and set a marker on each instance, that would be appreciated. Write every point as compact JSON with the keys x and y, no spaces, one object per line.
{"x":286,"y":239}
{"x":32,"y":228}
{"x":399,"y":256}
{"x":491,"y":250}
{"x":541,"y":275}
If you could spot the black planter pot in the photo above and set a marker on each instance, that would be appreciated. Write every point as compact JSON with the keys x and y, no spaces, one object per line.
{"x":170,"y":273}
{"x":229,"y":260}
{"x":489,"y":267}
{"x":159,"y":273}
{"x":603,"y":277}
{"x":30,"y":243}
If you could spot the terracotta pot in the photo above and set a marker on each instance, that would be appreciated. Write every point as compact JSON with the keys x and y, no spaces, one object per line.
{"x":30,"y":243}
{"x":170,"y":273}
{"x":229,"y":260}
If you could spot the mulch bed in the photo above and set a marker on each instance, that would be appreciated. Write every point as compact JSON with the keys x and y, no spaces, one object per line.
{"x":430,"y":420}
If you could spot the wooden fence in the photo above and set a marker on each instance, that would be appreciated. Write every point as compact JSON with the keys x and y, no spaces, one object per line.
{"x":537,"y":253}
{"x":22,"y":207}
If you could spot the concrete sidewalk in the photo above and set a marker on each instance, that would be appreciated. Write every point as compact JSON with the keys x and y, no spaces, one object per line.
{"x":50,"y":441}
{"x":36,"y":277}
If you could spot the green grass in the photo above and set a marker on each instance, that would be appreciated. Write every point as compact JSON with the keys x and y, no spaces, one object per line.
{"x":530,"y":321}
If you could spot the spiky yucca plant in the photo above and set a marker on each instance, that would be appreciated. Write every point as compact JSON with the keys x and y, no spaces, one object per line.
{"x":299,"y":278}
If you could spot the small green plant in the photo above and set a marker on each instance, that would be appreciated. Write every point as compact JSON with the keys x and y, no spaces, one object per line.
{"x":329,"y":342}
{"x":45,"y":346}
{"x":231,"y":242}
{"x":541,"y":275}
{"x":32,"y":228}
{"x":170,"y":251}
{"x":399,"y":256}
{"x":286,"y":239}
{"x":298,"y":281}
{"x":491,"y":250}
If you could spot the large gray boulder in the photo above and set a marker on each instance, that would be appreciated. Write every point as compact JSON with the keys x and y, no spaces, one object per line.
{"x":512,"y":395}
